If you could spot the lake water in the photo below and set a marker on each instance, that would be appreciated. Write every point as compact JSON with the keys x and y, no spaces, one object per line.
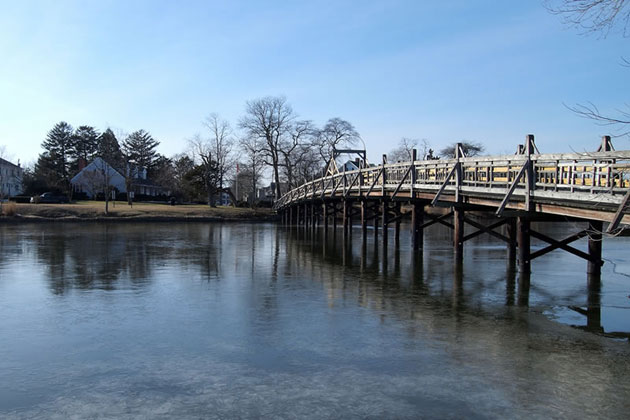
{"x":256,"y":320}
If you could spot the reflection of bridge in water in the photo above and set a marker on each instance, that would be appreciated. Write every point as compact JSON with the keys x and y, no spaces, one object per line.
{"x":406,"y":281}
{"x":518,"y":189}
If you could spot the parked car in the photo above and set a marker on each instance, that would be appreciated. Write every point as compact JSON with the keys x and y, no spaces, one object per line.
{"x":50,"y":198}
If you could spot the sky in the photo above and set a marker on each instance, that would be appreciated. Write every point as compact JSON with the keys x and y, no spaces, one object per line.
{"x":445,"y":71}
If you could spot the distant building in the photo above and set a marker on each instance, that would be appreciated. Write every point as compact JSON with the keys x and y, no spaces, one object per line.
{"x":92,"y":180}
{"x":267,"y":194}
{"x":223,"y":199}
{"x":10,"y":178}
{"x":351,"y":165}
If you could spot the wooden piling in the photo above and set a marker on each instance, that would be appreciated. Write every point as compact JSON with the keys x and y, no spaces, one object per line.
{"x":511,"y":234}
{"x":595,"y":247}
{"x":384,"y":221}
{"x":364,"y":218}
{"x":458,"y":231}
{"x":417,"y":219}
{"x":397,"y":224}
{"x":523,"y":238}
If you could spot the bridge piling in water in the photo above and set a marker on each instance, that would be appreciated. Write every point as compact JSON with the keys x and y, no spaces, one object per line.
{"x":520,"y":189}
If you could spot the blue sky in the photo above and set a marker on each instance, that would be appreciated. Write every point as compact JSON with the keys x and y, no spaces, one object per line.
{"x":446,"y":71}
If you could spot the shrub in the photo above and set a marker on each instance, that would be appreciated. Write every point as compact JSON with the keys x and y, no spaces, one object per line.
{"x":9,"y":209}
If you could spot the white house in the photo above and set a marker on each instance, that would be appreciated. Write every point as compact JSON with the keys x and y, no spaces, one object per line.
{"x":92,"y":179}
{"x":10,"y":178}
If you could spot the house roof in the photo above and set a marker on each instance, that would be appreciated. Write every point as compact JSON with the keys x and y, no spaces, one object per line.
{"x":6,"y":162}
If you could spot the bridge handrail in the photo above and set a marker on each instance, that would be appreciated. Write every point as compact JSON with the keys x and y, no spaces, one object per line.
{"x":605,"y":175}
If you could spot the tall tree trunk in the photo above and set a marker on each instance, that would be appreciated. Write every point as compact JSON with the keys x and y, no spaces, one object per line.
{"x":276,"y":174}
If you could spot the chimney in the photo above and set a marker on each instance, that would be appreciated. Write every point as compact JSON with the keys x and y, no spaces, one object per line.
{"x":82,"y":164}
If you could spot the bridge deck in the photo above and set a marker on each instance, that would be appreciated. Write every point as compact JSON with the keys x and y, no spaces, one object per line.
{"x":593,"y":185}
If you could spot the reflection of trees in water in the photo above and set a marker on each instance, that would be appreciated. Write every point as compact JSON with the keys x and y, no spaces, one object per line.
{"x":95,"y":256}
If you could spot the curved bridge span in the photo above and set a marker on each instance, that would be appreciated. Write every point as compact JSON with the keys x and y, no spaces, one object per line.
{"x":517,"y":189}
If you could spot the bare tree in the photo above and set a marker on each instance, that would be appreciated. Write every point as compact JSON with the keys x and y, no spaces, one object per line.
{"x":202,"y":155}
{"x":337,"y":133}
{"x":468,"y":147}
{"x":403,"y":152}
{"x":220,"y":145}
{"x":295,"y":151}
{"x":621,"y":123}
{"x":253,"y":164}
{"x":599,"y":16}
{"x":269,"y":119}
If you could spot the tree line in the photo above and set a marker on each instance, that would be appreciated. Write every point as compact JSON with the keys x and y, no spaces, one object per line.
{"x":268,"y":140}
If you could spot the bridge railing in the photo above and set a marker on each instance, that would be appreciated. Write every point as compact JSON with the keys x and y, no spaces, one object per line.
{"x":592,"y":177}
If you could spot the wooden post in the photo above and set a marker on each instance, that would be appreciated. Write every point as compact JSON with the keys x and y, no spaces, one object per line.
{"x":325,"y":215}
{"x":524,"y":280}
{"x":458,"y":212}
{"x":345,"y":216}
{"x":364,"y":218}
{"x":334,"y":216}
{"x":529,"y":174}
{"x":595,"y":246}
{"x":376,"y":222}
{"x":511,"y":234}
{"x":384,"y":220}
{"x":397,"y":225}
{"x":417,"y":219}
{"x":458,"y":231}
{"x":523,"y":238}
{"x":593,"y":306}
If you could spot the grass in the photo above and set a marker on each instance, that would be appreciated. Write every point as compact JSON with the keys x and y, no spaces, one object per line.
{"x":120,"y":209}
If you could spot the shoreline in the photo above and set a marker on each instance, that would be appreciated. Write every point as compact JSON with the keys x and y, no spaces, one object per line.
{"x":19,"y":219}
{"x":142,"y":213}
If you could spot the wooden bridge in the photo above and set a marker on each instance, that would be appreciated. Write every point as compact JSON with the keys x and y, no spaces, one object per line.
{"x":517,"y":189}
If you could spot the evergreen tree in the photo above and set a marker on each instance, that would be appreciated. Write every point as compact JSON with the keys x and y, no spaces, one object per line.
{"x":139,"y":147}
{"x":109,"y":150}
{"x":54,"y":163}
{"x":85,"y":146}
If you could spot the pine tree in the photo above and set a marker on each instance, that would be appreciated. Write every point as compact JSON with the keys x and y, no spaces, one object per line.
{"x":109,"y":150}
{"x":85,"y":146}
{"x":56,"y":159}
{"x":139,"y":147}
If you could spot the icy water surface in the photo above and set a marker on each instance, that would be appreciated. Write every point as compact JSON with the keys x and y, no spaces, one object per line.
{"x":248,"y":321}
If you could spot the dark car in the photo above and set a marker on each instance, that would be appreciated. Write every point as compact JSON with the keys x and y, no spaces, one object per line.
{"x":50,"y":198}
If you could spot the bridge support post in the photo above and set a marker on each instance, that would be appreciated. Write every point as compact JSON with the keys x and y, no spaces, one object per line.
{"x":511,"y":234}
{"x":306,"y":216}
{"x":347,"y":207}
{"x":364,"y":218}
{"x":397,"y":225}
{"x":334,"y":215}
{"x":325,"y":215}
{"x":376,"y":222}
{"x":595,"y":247}
{"x":458,"y":231}
{"x":417,"y":219}
{"x":523,"y":237}
{"x":384,"y":221}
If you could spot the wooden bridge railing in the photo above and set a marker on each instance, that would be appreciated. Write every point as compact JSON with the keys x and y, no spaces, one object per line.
{"x":596,"y":178}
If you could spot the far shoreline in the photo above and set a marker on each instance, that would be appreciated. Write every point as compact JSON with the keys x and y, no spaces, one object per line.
{"x":94,"y":212}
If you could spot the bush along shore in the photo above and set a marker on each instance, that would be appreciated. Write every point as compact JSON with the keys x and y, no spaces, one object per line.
{"x":121,"y":211}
